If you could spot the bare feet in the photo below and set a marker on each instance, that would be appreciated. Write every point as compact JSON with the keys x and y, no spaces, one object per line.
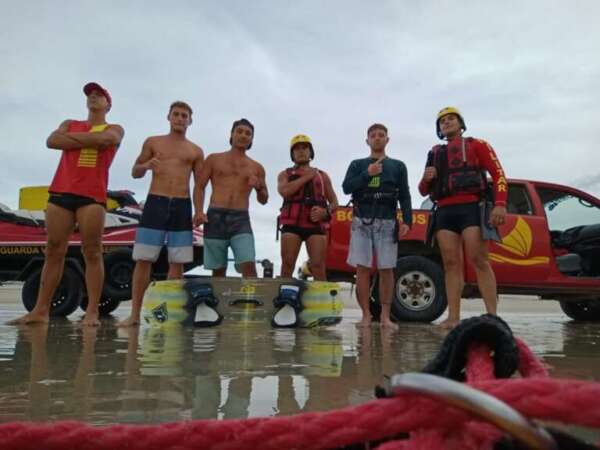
{"x":90,"y":320}
{"x":29,"y":318}
{"x":89,"y":335}
{"x":388,"y":325}
{"x":129,"y":322}
{"x":448,"y":324}
{"x":364,"y":323}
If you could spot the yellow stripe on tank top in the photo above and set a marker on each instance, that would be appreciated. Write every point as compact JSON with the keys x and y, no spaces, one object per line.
{"x":88,"y":157}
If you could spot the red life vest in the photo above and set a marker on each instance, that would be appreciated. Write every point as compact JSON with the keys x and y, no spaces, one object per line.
{"x":84,"y":171}
{"x":459,"y":171}
{"x":296,"y":210}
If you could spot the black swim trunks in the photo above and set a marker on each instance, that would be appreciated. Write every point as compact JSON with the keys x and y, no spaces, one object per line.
{"x":302,"y":233}
{"x":71,"y":202}
{"x":457,"y":217}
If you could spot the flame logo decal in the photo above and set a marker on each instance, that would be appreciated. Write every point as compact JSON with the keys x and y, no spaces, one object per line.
{"x":518,"y":242}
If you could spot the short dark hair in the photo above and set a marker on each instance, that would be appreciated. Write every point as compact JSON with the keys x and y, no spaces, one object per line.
{"x":242,"y":121}
{"x":377,"y":126}
{"x":180,"y":104}
{"x":245,"y":122}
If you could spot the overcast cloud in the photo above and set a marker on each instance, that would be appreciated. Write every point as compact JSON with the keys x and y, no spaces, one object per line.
{"x":526,"y":76}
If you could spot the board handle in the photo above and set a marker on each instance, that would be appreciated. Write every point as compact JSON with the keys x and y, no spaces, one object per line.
{"x":245,"y":301}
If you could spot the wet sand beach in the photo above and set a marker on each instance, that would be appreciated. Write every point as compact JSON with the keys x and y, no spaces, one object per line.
{"x":237,"y":370}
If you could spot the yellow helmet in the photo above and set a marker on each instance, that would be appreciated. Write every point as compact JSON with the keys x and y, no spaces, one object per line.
{"x":301,"y":139}
{"x":444,"y":112}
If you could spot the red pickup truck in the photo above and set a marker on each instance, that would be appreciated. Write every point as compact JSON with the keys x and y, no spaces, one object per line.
{"x":550,"y":247}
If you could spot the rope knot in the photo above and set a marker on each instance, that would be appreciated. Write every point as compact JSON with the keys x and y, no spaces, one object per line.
{"x":451,"y":360}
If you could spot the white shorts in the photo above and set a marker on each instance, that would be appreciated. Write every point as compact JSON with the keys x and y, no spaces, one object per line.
{"x":375,"y":240}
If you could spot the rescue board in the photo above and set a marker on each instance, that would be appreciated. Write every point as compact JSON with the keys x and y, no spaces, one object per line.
{"x":166,"y":303}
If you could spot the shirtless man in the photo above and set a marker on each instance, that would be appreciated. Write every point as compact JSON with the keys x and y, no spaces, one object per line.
{"x":233,"y":176}
{"x":78,"y":196}
{"x":167,"y":216}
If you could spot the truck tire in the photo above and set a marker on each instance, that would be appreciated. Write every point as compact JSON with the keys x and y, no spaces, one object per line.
{"x":105,"y":307}
{"x":582,"y":310}
{"x":118,"y":273}
{"x":419,"y":292}
{"x":67,"y":297}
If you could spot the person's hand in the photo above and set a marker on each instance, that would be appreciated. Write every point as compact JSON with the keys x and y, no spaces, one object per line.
{"x":498,"y":216}
{"x":376,"y":168}
{"x":429,"y":174}
{"x":153,"y":165}
{"x":403,"y":230}
{"x":199,"y":219}
{"x":311,"y":173}
{"x":317,"y":214}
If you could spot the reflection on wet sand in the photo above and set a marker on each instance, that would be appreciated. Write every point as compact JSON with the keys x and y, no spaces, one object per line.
{"x":237,"y":370}
{"x":580,"y":353}
{"x":39,"y":392}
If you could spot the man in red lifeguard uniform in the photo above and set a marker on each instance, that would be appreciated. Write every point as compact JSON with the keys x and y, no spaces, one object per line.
{"x":78,"y":196}
{"x":455,"y":179}
{"x":308,"y":201}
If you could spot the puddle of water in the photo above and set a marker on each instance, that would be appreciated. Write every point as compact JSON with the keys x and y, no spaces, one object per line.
{"x":237,"y":370}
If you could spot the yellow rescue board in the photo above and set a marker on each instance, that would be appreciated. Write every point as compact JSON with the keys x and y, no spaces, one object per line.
{"x":244,"y":299}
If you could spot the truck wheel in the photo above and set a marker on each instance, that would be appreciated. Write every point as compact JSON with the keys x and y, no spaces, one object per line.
{"x":105,"y":307}
{"x":419,"y":292}
{"x":67,"y":297}
{"x":583,"y":310}
{"x":118,"y":273}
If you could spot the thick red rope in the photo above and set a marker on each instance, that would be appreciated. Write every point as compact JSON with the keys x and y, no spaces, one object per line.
{"x":431,"y":425}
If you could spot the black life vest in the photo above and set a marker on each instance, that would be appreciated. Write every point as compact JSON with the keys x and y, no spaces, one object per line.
{"x":458,"y":171}
{"x":296,"y":210}
{"x":375,"y":197}
{"x":385,"y":198}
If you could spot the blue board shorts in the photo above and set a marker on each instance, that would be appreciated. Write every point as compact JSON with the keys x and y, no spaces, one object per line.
{"x":227,"y":228}
{"x":165,"y":221}
{"x":375,"y":240}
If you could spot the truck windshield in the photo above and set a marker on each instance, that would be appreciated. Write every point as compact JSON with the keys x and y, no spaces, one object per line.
{"x":566,"y":210}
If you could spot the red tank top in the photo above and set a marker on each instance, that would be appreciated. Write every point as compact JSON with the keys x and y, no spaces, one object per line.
{"x":84,"y":171}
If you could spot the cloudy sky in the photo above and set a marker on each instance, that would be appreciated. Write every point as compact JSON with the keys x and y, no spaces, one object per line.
{"x":526,"y":76}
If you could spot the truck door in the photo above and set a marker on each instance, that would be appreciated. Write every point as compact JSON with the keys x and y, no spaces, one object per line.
{"x":574,"y":224}
{"x":523,"y":256}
